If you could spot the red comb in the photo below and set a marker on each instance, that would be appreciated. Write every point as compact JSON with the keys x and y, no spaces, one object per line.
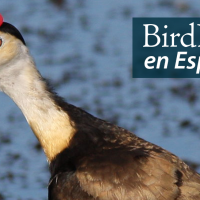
{"x":1,"y":19}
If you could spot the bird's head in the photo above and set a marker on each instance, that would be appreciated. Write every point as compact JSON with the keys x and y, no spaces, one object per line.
{"x":11,"y":41}
{"x":16,"y":65}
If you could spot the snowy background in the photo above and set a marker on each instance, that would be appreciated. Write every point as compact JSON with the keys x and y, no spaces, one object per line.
{"x":85,"y":49}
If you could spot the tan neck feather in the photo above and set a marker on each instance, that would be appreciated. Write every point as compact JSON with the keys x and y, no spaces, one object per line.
{"x":51,"y":125}
{"x":54,"y":131}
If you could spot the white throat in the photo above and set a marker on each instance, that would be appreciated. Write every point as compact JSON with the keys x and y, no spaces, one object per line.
{"x":20,"y":80}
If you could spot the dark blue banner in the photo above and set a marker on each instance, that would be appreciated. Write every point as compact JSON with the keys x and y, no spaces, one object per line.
{"x":166,"y":47}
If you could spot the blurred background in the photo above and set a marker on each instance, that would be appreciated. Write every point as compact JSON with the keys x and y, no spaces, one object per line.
{"x":84,"y":47}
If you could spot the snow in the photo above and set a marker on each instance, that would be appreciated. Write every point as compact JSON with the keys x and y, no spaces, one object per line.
{"x":84,"y":48}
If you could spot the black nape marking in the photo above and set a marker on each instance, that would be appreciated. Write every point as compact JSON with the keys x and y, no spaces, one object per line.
{"x":179,"y":176}
{"x":9,"y":28}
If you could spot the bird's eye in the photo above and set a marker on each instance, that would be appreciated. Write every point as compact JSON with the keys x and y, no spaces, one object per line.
{"x":1,"y":42}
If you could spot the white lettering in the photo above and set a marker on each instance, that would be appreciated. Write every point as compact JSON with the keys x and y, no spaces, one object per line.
{"x":191,"y":36}
{"x":191,"y":62}
{"x":149,"y":60}
{"x":198,"y":66}
{"x":159,"y":61}
{"x":173,"y":36}
{"x":153,"y":34}
{"x":180,"y":59}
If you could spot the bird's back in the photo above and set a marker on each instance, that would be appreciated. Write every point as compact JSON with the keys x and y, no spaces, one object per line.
{"x":106,"y":162}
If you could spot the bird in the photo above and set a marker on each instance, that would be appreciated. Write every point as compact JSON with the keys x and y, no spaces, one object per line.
{"x":89,"y":158}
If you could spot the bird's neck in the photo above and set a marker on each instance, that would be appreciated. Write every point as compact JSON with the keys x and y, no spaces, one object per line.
{"x":51,"y":125}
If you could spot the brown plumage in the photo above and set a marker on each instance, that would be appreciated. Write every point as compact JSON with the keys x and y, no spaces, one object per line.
{"x":90,"y":159}
{"x":106,"y":162}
